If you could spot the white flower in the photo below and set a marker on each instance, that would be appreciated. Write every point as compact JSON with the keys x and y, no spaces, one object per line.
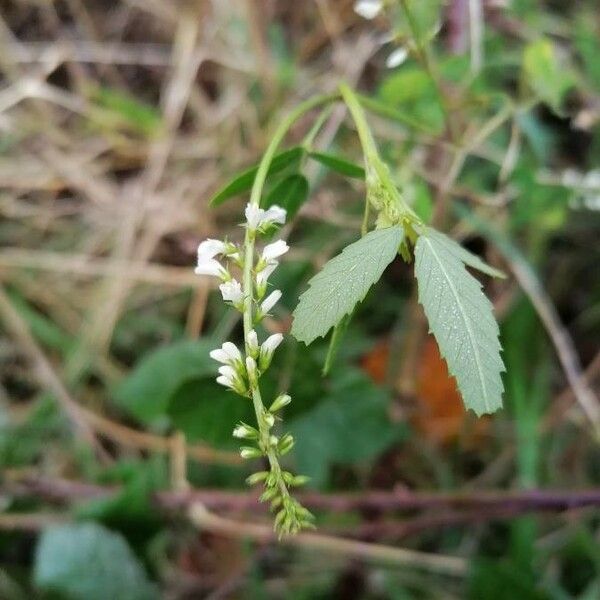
{"x":263,"y":274}
{"x":228,"y":354}
{"x":230,"y":377}
{"x":368,"y":9}
{"x":232,"y":291}
{"x":210,"y":266}
{"x":267,"y":349}
{"x":257,"y":217}
{"x":396,"y":58}
{"x":274,"y":250}
{"x":210,"y":248}
{"x":254,"y":215}
{"x":270,"y":301}
{"x":276,"y":214}
{"x":271,"y":343}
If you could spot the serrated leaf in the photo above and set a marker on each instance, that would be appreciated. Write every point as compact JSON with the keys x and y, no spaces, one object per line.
{"x":340,"y":165}
{"x":463,"y":254}
{"x":460,"y":317}
{"x":343,"y":282}
{"x":243,"y":182}
{"x":290,"y":193}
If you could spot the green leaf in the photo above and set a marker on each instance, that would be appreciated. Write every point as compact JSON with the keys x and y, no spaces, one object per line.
{"x":343,"y":282}
{"x":460,"y":316}
{"x":89,"y":562}
{"x":147,"y":391}
{"x":340,"y":165}
{"x":350,"y":425}
{"x":205,"y":411}
{"x":470,"y":259}
{"x":290,"y":193}
{"x":544,"y":73}
{"x":243,"y":182}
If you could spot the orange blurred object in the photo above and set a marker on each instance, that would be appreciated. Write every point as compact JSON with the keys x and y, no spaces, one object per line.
{"x":439,"y":413}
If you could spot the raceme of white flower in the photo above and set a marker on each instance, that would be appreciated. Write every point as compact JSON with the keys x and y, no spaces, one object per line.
{"x":240,"y":371}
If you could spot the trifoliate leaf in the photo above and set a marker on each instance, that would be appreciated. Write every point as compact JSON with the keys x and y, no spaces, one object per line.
{"x":460,"y":317}
{"x":463,"y":254}
{"x":343,"y":282}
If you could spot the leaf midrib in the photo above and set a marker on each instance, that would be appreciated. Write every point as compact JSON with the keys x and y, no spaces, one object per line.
{"x":466,"y":321}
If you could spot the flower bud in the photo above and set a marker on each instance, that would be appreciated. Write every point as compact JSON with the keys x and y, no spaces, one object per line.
{"x":252,"y":371}
{"x":280,"y":402}
{"x":252,"y":346}
{"x":286,"y":443}
{"x":250,"y":452}
{"x":269,"y":419}
{"x":257,"y":477}
{"x":244,"y":431}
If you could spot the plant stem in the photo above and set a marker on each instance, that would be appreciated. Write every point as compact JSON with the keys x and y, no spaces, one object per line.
{"x":248,"y":283}
{"x":426,"y":62}
{"x":374,"y":166}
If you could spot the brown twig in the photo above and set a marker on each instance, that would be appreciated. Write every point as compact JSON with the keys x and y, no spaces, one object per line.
{"x":375,"y":553}
{"x":379,"y":501}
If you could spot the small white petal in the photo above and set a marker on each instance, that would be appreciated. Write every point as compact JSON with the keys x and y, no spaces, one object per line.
{"x":270,"y":301}
{"x":220,"y":356}
{"x":254,"y":215}
{"x":272,"y":342}
{"x":222,"y":380}
{"x":210,"y":266}
{"x":228,"y":372}
{"x":262,"y":276}
{"x":210,"y":248}
{"x":274,"y":250}
{"x":368,"y":9}
{"x":232,"y":291}
{"x":232,"y":351}
{"x":396,"y":58}
{"x":275,"y":214}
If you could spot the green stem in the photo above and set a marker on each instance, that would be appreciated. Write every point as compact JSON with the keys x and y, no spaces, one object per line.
{"x":375,"y":167}
{"x":362,"y":127}
{"x":426,"y":62}
{"x":278,"y":135}
{"x":248,"y":283}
